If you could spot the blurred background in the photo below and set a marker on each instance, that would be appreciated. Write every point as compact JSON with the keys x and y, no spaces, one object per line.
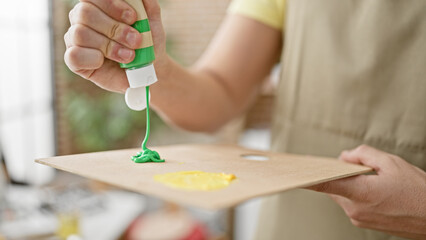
{"x":46,"y":110}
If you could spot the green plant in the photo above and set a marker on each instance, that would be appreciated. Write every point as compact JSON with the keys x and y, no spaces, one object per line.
{"x":103,"y":122}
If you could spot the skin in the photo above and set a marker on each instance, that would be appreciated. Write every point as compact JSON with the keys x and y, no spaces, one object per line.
{"x":392,"y":201}
{"x":220,"y":86}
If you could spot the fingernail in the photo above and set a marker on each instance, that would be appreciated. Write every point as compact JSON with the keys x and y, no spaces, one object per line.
{"x":131,"y":38}
{"x":125,"y":54}
{"x":127,"y":16}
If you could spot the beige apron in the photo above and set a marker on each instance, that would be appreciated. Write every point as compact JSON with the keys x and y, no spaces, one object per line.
{"x":354,"y":72}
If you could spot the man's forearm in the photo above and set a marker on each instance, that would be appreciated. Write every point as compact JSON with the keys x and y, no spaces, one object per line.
{"x":193,"y":99}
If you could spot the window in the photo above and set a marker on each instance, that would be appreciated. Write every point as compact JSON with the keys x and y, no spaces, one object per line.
{"x":26,"y":96}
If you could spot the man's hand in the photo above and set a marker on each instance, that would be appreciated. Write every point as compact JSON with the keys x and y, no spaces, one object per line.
{"x":393,"y":201}
{"x":100,"y":36}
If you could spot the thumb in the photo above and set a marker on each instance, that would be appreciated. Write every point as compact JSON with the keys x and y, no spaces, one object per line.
{"x":366,"y":155}
{"x":153,"y":9}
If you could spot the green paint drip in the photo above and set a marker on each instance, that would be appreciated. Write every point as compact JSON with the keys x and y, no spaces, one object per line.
{"x":147,"y":155}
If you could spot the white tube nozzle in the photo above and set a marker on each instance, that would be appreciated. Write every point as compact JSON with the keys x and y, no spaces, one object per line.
{"x":138,"y":79}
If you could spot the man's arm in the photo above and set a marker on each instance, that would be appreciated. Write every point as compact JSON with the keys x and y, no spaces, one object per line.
{"x":222,"y":83}
{"x":202,"y":98}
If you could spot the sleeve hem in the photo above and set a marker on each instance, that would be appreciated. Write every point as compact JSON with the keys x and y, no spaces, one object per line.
{"x":256,"y":15}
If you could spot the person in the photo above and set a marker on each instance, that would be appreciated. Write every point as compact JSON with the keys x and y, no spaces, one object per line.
{"x":353,"y":74}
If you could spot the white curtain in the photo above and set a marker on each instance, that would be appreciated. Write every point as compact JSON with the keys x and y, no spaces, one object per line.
{"x":26,"y":98}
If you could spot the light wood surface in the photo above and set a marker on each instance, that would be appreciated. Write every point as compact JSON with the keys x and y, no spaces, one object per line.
{"x":254,"y":178}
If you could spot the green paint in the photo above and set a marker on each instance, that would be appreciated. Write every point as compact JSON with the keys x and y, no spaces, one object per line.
{"x":143,"y":56}
{"x":147,"y":155}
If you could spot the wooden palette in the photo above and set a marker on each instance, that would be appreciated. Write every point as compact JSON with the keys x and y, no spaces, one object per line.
{"x":254,"y":178}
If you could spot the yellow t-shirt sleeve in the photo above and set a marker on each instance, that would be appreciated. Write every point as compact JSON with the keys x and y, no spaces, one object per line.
{"x":269,"y":12}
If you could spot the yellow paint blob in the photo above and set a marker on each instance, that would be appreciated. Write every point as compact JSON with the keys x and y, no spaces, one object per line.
{"x":195,"y":180}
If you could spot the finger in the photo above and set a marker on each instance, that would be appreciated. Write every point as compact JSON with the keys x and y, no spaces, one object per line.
{"x":91,"y":16}
{"x":342,"y":201}
{"x":78,"y":58}
{"x":153,"y":9}
{"x":107,"y":77}
{"x":354,"y":188}
{"x":351,"y":209}
{"x":367,"y":156}
{"x":83,"y":36}
{"x":116,"y":9}
{"x":67,"y":39}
